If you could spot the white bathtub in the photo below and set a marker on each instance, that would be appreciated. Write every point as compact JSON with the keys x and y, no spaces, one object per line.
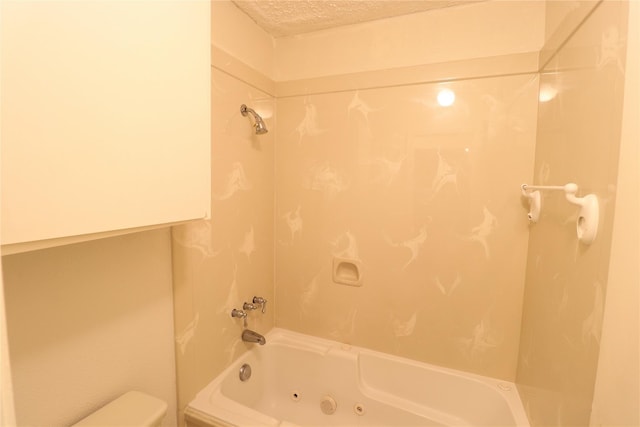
{"x":293,"y":373}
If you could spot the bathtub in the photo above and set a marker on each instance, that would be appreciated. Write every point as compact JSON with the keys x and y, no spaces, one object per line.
{"x":299,"y":380}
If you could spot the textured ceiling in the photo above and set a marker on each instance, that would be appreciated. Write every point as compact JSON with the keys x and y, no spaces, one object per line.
{"x":289,"y":17}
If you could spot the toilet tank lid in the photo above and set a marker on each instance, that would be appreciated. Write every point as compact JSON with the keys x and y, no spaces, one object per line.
{"x":133,"y":408}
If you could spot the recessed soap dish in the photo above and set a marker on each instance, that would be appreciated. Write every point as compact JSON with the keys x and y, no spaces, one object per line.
{"x":347,"y":271}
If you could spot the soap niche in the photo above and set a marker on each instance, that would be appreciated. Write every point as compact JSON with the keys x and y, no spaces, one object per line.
{"x":347,"y":271}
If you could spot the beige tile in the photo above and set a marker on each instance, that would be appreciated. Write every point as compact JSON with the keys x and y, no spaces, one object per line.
{"x":426,"y":198}
{"x":578,"y":141}
{"x":521,"y":63}
{"x":222,"y":262}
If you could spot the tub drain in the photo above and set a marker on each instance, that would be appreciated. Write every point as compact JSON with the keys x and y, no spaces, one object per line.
{"x":358,"y":408}
{"x":245,"y":372}
{"x":328,"y":405}
{"x":296,"y":396}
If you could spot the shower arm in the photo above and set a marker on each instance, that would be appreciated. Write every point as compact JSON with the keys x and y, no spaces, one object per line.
{"x":244,"y":110}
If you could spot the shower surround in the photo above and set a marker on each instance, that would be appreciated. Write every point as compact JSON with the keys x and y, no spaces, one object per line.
{"x":367,"y":166}
{"x":422,"y":197}
{"x":578,"y":141}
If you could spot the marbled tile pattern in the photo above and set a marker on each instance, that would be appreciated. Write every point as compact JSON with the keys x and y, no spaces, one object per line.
{"x":426,"y":199}
{"x":578,"y":141}
{"x":222,"y":262}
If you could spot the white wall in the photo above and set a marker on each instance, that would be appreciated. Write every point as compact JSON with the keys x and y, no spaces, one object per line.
{"x":617,"y":391}
{"x":451,"y":34}
{"x":7,"y":412}
{"x":88,"y":322}
{"x":236,"y":34}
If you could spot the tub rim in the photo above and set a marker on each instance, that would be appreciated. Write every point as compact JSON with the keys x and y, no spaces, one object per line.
{"x":196,"y":409}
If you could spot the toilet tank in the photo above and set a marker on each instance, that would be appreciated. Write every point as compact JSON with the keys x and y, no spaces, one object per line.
{"x":131,"y":409}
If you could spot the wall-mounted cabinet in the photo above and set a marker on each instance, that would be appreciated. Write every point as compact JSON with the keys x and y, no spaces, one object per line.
{"x":105,"y":116}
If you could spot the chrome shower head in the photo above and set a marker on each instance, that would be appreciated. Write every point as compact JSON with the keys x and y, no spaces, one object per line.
{"x":259,"y":125}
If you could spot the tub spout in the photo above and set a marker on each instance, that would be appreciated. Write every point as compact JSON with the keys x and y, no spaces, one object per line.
{"x":251,"y":336}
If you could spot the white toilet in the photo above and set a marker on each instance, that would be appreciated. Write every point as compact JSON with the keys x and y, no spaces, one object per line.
{"x":131,"y":409}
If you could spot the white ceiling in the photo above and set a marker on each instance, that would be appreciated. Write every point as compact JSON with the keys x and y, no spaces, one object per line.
{"x":289,"y":17}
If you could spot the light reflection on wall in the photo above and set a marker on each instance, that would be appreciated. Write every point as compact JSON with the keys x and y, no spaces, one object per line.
{"x":547,"y":93}
{"x":446,"y":97}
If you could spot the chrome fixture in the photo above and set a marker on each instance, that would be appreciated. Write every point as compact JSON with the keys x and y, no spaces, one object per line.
{"x":259,"y":123}
{"x":240,"y":314}
{"x":245,"y":372}
{"x":254,"y":337}
{"x":262,"y":302}
{"x":249,"y":306}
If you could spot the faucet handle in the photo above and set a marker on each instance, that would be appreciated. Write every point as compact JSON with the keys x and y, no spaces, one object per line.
{"x":261,"y":301}
{"x":240,"y":314}
{"x":249,"y":306}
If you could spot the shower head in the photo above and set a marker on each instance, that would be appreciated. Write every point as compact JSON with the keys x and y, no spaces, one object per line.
{"x":259,"y":125}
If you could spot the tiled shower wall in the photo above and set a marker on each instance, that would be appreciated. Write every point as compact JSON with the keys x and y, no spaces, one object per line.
{"x":414,"y":191}
{"x":579,"y":129}
{"x":425,"y":200}
{"x":222,"y":262}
